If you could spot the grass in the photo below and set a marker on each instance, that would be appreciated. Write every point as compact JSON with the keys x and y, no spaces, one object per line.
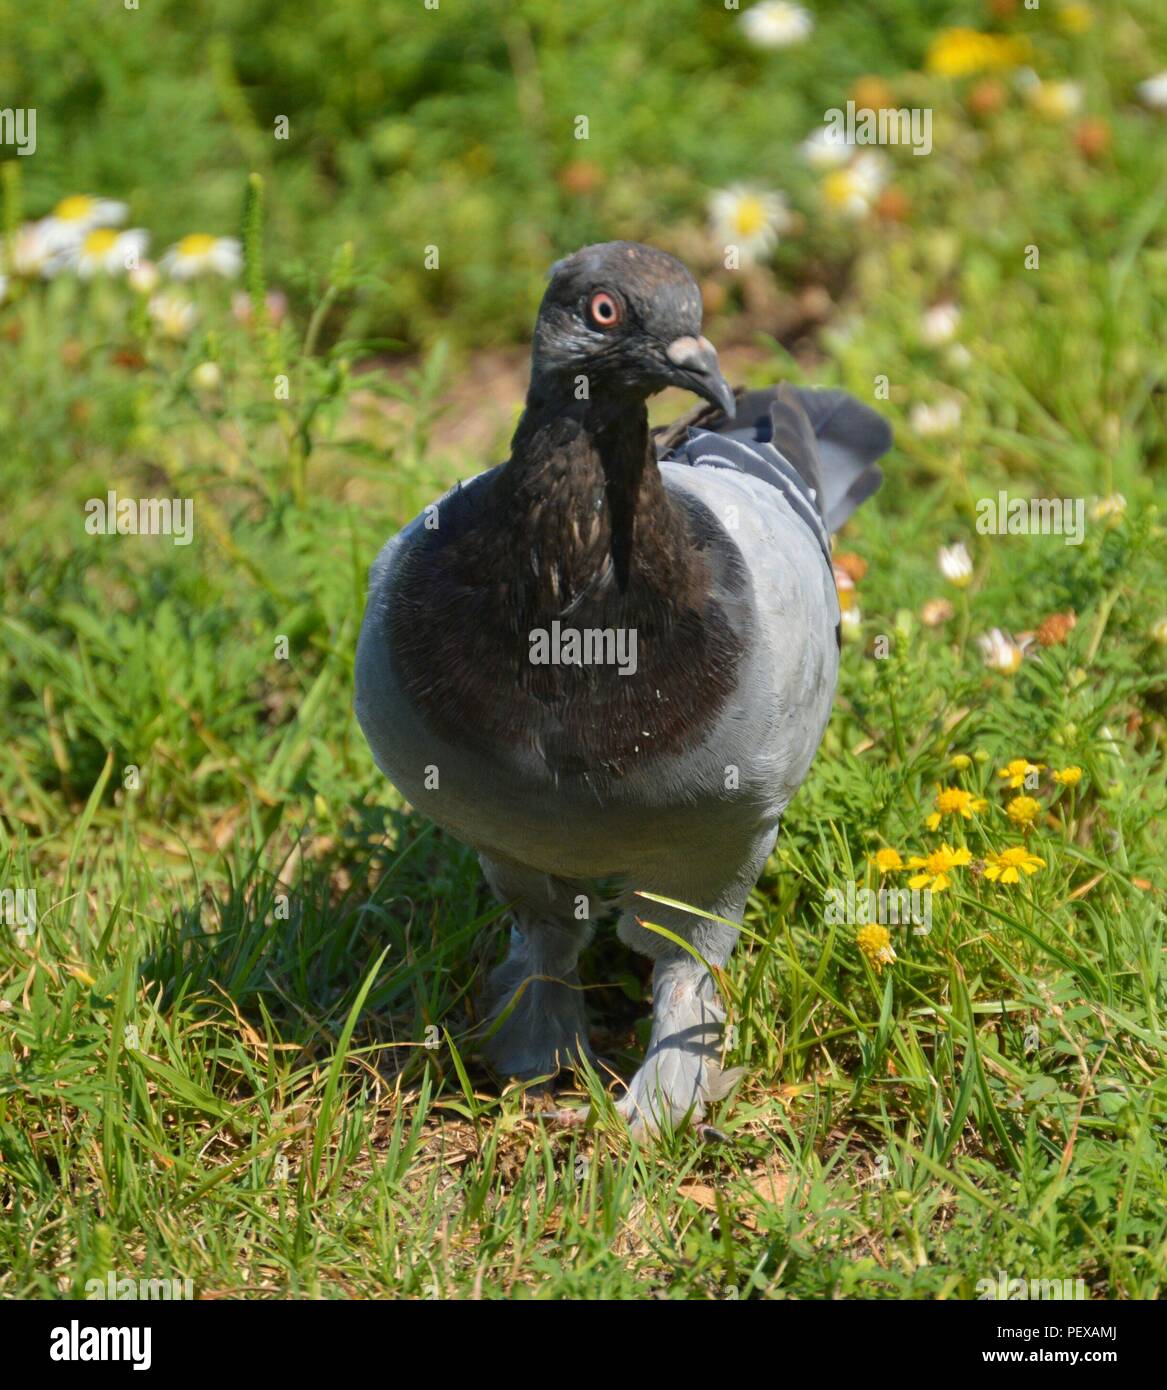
{"x":240,"y":1045}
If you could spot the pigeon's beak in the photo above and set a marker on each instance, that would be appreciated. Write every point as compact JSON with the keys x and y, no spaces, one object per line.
{"x":698,"y":370}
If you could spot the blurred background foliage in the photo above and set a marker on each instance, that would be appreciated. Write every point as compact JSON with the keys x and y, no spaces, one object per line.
{"x":455,"y":127}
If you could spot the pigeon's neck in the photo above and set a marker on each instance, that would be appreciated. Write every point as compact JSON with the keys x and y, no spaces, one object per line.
{"x":583,"y":497}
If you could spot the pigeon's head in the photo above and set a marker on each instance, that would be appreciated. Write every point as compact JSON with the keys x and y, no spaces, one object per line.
{"x":626,"y":319}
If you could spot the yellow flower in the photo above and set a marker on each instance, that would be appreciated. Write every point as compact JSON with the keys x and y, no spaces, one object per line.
{"x":1069,"y":776}
{"x":1004,"y":867}
{"x":934,"y":868}
{"x":955,"y":801}
{"x":886,"y":860}
{"x":1075,"y":19}
{"x":1023,"y":810}
{"x":960,"y":761}
{"x":960,"y":52}
{"x":875,"y":943}
{"x":1018,"y":770}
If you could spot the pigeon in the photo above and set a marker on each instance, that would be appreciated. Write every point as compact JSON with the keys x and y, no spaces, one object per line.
{"x":607,"y":663}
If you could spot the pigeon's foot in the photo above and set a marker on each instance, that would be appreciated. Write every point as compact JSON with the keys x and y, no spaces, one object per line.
{"x":672,"y":1090}
{"x":682,"y":1074}
{"x":545,"y":1031}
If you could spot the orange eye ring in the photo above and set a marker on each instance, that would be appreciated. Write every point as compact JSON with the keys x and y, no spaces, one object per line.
{"x":604,"y":309}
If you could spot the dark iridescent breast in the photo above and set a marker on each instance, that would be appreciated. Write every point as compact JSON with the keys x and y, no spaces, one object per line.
{"x":617,"y":679}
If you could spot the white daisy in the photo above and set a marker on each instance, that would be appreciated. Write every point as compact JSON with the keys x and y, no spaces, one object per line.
{"x":748,"y":219}
{"x":68,"y":222}
{"x":106,"y":251}
{"x":939,"y":324}
{"x":776,"y":24}
{"x":1153,"y":92}
{"x":28,"y":253}
{"x":854,"y":189}
{"x":174,"y":314}
{"x":955,"y":564}
{"x":200,"y":254}
{"x":825,"y":148}
{"x":929,"y":421}
{"x":1055,"y":100}
{"x":144,"y":278}
{"x":1000,"y":652}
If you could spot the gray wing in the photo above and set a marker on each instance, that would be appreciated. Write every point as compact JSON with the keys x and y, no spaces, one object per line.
{"x":825,"y":441}
{"x":785,"y":690}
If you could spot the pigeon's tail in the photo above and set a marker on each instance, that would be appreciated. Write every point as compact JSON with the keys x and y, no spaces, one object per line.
{"x":830,"y":439}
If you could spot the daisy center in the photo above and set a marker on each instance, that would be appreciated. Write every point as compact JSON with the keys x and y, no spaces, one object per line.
{"x":75,"y":208}
{"x":98,"y":242}
{"x":839,"y":187}
{"x":749,"y":217}
{"x":196,"y":245}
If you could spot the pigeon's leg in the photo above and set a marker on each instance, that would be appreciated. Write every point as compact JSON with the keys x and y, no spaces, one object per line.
{"x":681,"y":1073}
{"x":546,"y":1028}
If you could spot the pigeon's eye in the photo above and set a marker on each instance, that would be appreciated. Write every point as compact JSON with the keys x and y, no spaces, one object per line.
{"x":604,"y":310}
